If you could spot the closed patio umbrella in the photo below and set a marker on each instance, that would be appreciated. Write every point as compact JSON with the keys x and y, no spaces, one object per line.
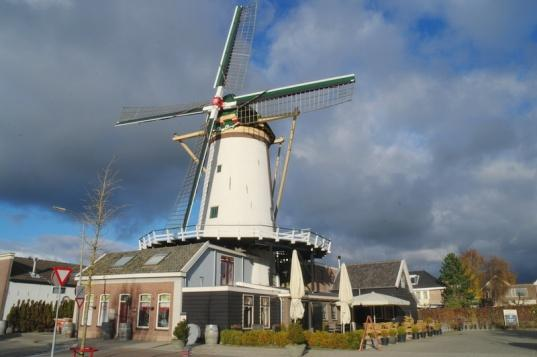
{"x":345,"y":296}
{"x":296,"y":289}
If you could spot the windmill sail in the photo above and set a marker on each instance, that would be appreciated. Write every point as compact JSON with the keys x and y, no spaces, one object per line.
{"x":136,"y":115}
{"x":236,"y":55}
{"x":305,"y":97}
{"x":178,"y":213}
{"x":202,"y":156}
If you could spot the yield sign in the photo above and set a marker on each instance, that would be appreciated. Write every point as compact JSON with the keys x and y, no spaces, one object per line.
{"x":79,"y":301}
{"x":60,"y":275}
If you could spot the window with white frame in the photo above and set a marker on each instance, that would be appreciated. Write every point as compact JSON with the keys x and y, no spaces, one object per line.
{"x":144,"y":306}
{"x":414,"y":279}
{"x":247,"y":311}
{"x":519,"y":292}
{"x":226,"y":270}
{"x":88,"y":309}
{"x":264,"y":311}
{"x":333,"y":311}
{"x":103,"y":309}
{"x":163,"y":311}
{"x":124,"y":308}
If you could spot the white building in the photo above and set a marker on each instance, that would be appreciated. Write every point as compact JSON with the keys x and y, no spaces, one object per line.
{"x":28,"y":279}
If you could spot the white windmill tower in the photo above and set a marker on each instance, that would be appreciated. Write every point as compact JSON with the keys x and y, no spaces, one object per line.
{"x":239,"y":201}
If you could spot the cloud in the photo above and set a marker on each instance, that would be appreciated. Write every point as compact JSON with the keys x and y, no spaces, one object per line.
{"x":435,"y":153}
{"x":61,"y":248}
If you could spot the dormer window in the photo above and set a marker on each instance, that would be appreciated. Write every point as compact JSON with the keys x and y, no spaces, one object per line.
{"x":414,"y":279}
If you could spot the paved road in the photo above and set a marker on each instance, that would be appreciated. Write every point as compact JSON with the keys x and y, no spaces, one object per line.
{"x":493,"y":343}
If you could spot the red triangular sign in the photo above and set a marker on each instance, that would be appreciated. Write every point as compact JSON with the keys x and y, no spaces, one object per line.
{"x":79,"y":301}
{"x":61,"y":275}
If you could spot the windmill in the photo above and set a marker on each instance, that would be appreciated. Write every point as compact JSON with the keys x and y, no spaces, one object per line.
{"x":231,"y":151}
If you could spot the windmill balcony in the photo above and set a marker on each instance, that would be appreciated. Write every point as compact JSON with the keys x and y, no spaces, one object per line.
{"x":290,"y":236}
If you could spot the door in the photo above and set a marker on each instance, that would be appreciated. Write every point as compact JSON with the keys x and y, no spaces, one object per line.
{"x":123,"y":310}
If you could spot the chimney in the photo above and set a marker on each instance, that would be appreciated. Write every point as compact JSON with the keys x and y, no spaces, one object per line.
{"x":339,"y":262}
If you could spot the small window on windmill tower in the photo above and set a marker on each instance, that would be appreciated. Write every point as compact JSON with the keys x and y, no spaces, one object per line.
{"x":214,"y":212}
{"x":218,"y":168}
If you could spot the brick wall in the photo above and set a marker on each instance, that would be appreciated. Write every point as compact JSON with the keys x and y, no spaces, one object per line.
{"x":134,"y":289}
{"x":6,"y":260}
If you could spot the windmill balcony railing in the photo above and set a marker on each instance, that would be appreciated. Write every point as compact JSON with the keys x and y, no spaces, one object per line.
{"x":191,"y":233}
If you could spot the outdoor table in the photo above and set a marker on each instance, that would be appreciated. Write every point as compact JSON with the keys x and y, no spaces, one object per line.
{"x":89,"y":349}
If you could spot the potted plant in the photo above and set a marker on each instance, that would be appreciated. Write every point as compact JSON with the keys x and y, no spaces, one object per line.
{"x":384,"y":340}
{"x":401,"y":334}
{"x":297,"y":340}
{"x":393,"y":335}
{"x":415,"y":332}
{"x":181,"y":332}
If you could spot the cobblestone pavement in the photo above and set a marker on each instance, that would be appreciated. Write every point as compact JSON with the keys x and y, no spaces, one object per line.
{"x":490,"y":343}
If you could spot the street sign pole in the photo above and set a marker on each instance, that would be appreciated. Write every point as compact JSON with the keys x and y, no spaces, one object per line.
{"x":56,"y":322}
{"x":60,"y":276}
{"x":79,"y":298}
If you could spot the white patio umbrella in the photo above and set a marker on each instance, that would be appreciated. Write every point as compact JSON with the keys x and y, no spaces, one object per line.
{"x":345,"y":296}
{"x":296,"y":289}
{"x":373,"y":299}
{"x":376,"y":299}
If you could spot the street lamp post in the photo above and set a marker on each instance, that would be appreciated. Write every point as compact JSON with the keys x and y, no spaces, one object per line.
{"x":78,"y":217}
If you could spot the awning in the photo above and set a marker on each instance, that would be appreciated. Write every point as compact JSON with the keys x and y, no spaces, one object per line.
{"x":376,"y":299}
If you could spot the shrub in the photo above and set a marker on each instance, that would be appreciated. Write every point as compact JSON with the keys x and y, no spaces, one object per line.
{"x":415,"y":329}
{"x":392,"y":332}
{"x":401,"y":330}
{"x":181,"y":331}
{"x":280,"y":338}
{"x":323,"y":339}
{"x":320,"y":339}
{"x":296,"y":334}
{"x":29,"y":316}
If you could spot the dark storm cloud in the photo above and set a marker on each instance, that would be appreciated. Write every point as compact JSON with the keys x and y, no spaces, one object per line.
{"x":66,"y":71}
{"x":436,"y":153}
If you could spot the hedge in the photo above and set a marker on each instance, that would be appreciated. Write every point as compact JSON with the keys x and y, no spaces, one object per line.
{"x":319,"y":339}
{"x":30,"y":315}
{"x":480,"y":316}
{"x":344,"y":341}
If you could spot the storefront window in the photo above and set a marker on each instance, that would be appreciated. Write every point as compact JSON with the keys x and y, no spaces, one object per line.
{"x":144,"y":306}
{"x":163,"y":311}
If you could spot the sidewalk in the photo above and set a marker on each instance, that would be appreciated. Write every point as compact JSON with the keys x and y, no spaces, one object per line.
{"x":489,"y":343}
{"x":31,"y":343}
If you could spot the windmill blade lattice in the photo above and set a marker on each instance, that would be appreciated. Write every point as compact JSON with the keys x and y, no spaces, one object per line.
{"x":136,"y":115}
{"x":237,"y":50}
{"x":304,"y":97}
{"x":181,"y":204}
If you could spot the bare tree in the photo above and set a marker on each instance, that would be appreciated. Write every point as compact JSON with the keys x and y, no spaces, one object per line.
{"x":97,"y":214}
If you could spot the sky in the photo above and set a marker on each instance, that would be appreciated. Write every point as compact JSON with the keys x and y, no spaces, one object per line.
{"x":435,"y":154}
